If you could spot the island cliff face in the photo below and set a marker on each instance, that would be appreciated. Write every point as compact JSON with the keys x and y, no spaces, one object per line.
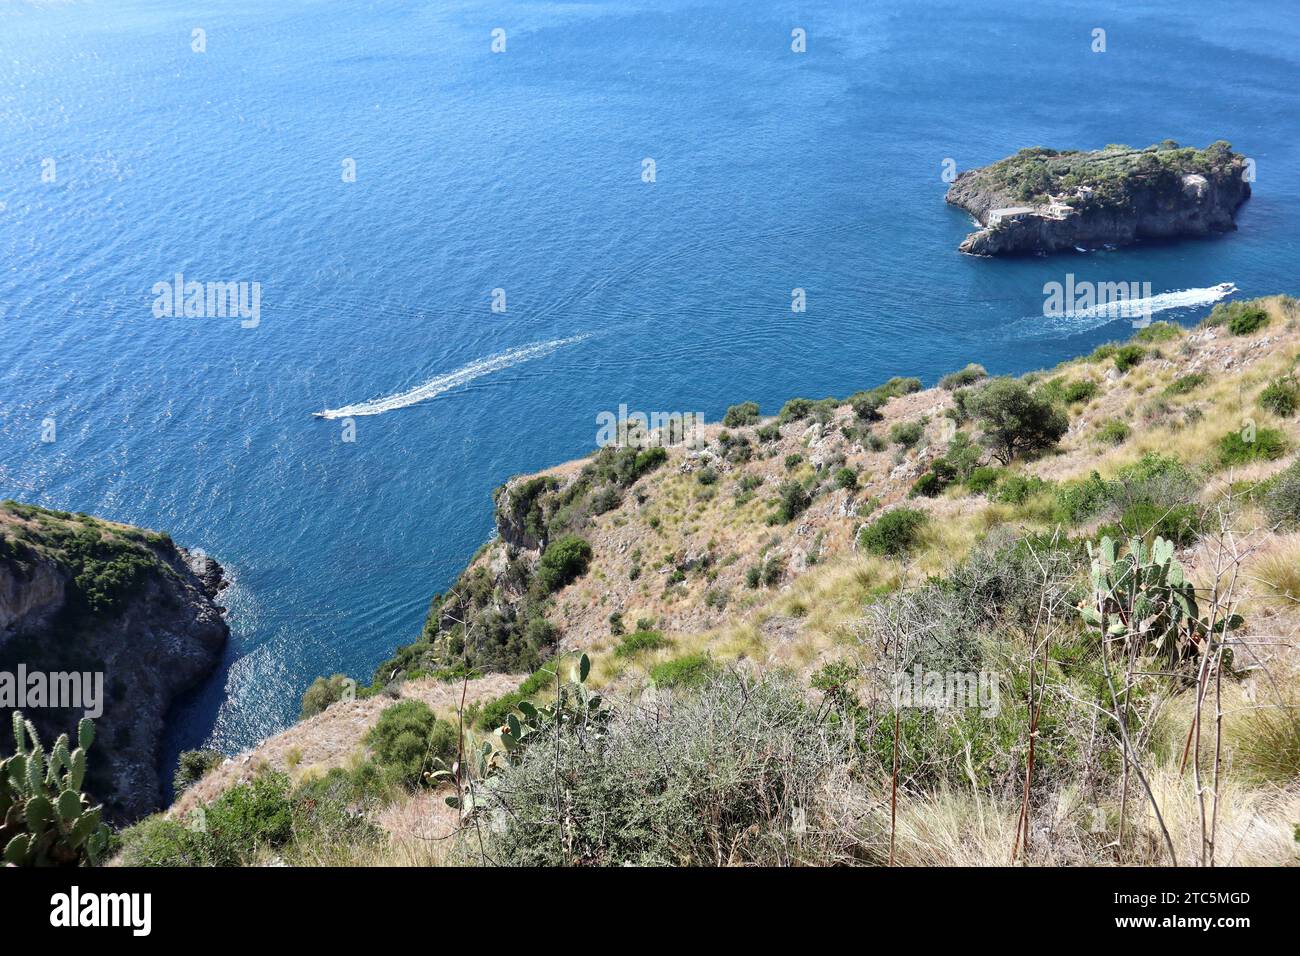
{"x":82,"y":595}
{"x":1043,"y":201}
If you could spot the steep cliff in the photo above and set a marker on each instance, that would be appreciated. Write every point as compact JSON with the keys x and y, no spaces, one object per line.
{"x":81,"y":595}
{"x":1042,"y":201}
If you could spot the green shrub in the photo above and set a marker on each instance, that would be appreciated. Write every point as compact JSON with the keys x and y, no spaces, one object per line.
{"x":639,"y":641}
{"x":1180,"y":524}
{"x":866,"y":405}
{"x":982,"y":480}
{"x":1282,"y":500}
{"x":159,"y":841}
{"x":893,"y":533}
{"x":1281,"y":396}
{"x":1185,"y":384}
{"x":1114,"y":432}
{"x":493,"y":714}
{"x":1015,"y":421}
{"x":1016,"y":489}
{"x":1158,"y":332}
{"x":746,"y":413}
{"x":323,"y":692}
{"x":767,"y":572}
{"x":968,"y":376}
{"x":793,"y":461}
{"x":1248,"y":320}
{"x":768,"y":433}
{"x":846,"y":478}
{"x":707,"y":475}
{"x":929,"y":485}
{"x":563,"y":561}
{"x":1243,"y":312}
{"x":1129,"y":356}
{"x":960,"y":458}
{"x":1103,"y":352}
{"x":409,"y":739}
{"x":897,"y":386}
{"x":794,"y":501}
{"x":263,"y":816}
{"x":1236,"y":448}
{"x":907,"y":434}
{"x":1080,"y":390}
{"x":192,"y":767}
{"x":1077,"y":501}
{"x":688,"y":671}
{"x":713,"y":780}
{"x":796,"y":409}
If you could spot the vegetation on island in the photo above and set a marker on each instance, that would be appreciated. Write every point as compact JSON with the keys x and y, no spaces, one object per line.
{"x":1109,"y":178}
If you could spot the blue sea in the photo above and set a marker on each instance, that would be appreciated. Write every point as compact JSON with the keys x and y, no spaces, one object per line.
{"x":126,"y":157}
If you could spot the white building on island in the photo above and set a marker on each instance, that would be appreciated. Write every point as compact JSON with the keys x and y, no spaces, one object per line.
{"x":1009,"y":214}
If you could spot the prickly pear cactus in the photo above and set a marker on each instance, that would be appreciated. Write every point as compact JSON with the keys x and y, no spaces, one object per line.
{"x":45,"y":819}
{"x":574,"y":707}
{"x":1145,"y":594}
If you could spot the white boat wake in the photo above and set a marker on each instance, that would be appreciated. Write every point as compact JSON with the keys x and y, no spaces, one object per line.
{"x":1083,"y":320}
{"x":442,"y":383}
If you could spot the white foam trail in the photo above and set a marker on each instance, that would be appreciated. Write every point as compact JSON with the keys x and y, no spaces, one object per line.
{"x":1081,"y":320}
{"x":442,"y":383}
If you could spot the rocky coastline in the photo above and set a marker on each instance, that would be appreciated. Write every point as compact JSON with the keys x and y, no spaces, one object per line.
{"x":1041,"y":201}
{"x":79,"y":595}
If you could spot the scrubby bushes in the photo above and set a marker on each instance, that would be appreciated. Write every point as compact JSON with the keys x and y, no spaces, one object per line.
{"x":797,"y":409}
{"x":409,"y":741}
{"x":1248,"y":445}
{"x":1128,"y":357}
{"x":894,"y":533}
{"x":193,"y":766}
{"x":1015,"y":421}
{"x":1114,"y":432}
{"x":1248,"y":320}
{"x":1241,"y":317}
{"x":1281,"y":396}
{"x":639,"y":641}
{"x":698,"y":785}
{"x":494,"y":712}
{"x":323,"y":692}
{"x":959,"y":460}
{"x":971,"y":374}
{"x":866,"y":405}
{"x":1282,"y":500}
{"x":907,"y":434}
{"x":1186,"y":383}
{"x":688,"y":671}
{"x":982,"y":480}
{"x":746,"y":413}
{"x":1156,"y":495}
{"x":794,"y":501}
{"x":1016,"y":489}
{"x":1158,"y":332}
{"x":251,"y":822}
{"x":562,"y":562}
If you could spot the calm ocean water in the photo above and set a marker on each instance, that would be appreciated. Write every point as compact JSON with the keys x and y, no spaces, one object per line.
{"x":522,"y":171}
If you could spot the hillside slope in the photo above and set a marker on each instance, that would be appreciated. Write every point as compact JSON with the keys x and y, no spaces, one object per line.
{"x":809,"y":547}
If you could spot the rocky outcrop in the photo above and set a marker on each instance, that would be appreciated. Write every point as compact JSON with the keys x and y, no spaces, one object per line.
{"x":79,"y":595}
{"x":1040,"y":201}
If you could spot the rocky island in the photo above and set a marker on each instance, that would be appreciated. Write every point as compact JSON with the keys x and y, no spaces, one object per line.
{"x":125,"y":615}
{"x":1042,"y":201}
